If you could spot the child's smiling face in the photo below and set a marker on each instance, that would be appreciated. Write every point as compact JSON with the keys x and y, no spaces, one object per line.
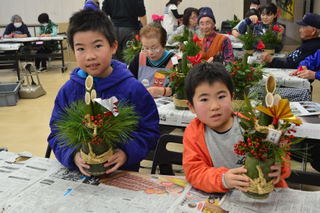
{"x":94,"y":53}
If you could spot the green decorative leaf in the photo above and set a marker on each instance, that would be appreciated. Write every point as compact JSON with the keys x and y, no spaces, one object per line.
{"x":72,"y":130}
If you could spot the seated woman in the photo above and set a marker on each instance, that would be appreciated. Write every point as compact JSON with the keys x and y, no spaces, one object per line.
{"x":47,"y":29}
{"x":190,"y":18}
{"x":153,"y":58}
{"x":268,"y":21}
{"x":16,"y":29}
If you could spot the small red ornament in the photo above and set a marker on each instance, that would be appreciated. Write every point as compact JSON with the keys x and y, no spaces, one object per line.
{"x":260,"y":45}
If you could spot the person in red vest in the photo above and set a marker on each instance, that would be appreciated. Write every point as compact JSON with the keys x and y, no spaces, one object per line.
{"x":214,"y":45}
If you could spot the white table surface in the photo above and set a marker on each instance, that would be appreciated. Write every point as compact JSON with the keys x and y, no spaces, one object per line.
{"x":44,"y":185}
{"x":10,"y":46}
{"x":30,"y":39}
{"x":283,"y":78}
{"x":181,"y":118}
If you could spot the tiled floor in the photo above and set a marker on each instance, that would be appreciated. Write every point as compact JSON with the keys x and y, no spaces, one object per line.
{"x":24,"y":127}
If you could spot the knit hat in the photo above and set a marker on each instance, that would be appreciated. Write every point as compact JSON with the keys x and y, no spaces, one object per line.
{"x":206,"y":12}
{"x":310,"y":19}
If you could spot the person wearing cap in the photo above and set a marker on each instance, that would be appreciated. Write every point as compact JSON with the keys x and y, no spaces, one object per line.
{"x":214,"y":44}
{"x":309,"y":33}
{"x":16,"y":29}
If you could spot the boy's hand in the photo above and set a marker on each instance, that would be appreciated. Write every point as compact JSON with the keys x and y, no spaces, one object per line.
{"x":275,"y":173}
{"x":234,"y":179}
{"x":117,"y":159}
{"x":81,"y":164}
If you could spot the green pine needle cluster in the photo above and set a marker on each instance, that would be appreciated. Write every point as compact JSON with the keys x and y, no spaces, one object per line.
{"x":234,"y":22}
{"x":249,"y":40}
{"x":133,"y":48}
{"x":73,"y":132}
{"x":183,"y":37}
{"x":244,"y":75}
{"x":270,"y":39}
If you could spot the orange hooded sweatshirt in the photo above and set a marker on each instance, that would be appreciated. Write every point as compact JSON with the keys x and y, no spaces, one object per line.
{"x":198,"y":166}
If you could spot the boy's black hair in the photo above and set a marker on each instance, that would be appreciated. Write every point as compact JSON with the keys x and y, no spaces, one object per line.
{"x":206,"y":73}
{"x":43,"y":18}
{"x":269,"y":9}
{"x":187,"y":13}
{"x":90,"y":20}
{"x":255,"y":2}
{"x":253,"y":11}
{"x":175,"y":2}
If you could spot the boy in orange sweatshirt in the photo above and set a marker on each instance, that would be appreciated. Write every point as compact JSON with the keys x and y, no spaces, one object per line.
{"x":209,"y":161}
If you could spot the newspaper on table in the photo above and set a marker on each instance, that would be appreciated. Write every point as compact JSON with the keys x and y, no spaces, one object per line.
{"x":282,"y":200}
{"x":44,"y":185}
{"x":171,"y":116}
{"x":305,"y":108}
{"x":195,"y":201}
{"x":284,"y":79}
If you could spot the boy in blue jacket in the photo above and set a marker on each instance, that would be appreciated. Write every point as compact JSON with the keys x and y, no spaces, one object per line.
{"x":92,"y":38}
{"x":310,"y":67}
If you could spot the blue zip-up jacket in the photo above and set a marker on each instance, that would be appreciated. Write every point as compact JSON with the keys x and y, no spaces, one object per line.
{"x":312,"y":62}
{"x":91,"y":5}
{"x":308,"y":47}
{"x":124,"y":86}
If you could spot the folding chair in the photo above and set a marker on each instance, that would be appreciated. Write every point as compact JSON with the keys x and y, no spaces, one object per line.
{"x":164,"y":156}
{"x":304,"y":177}
{"x":48,"y":152}
{"x":226,"y":27}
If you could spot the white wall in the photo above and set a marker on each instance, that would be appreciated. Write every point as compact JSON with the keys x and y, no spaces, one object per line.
{"x":222,"y":9}
{"x":60,"y":10}
{"x":292,"y":27}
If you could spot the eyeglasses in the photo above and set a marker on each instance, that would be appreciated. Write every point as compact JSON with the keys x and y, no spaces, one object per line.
{"x":150,"y":50}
